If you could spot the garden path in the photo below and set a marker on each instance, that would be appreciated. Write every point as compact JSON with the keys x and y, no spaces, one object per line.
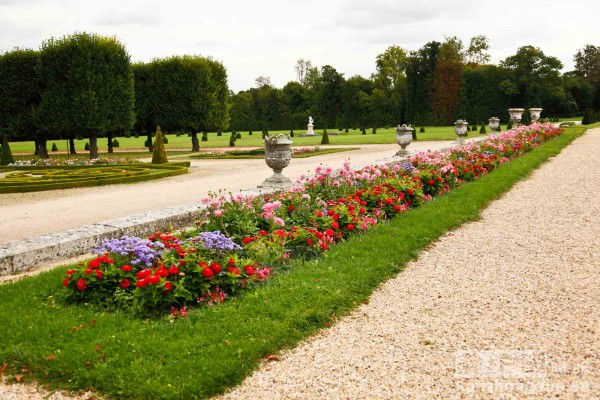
{"x":505,"y":307}
{"x":24,"y":215}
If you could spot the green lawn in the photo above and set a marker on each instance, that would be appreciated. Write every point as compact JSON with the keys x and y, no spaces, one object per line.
{"x":383,"y":136}
{"x":78,"y":347}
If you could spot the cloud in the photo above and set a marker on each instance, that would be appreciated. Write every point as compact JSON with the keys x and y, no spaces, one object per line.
{"x":144,"y":16}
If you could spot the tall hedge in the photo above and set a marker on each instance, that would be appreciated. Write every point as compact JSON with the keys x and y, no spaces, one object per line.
{"x":89,"y":86}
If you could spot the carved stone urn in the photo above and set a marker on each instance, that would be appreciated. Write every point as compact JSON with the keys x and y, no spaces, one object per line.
{"x":494,"y":124}
{"x":515,"y":115}
{"x":461,"y":128}
{"x":403,"y":138}
{"x":535,"y":114}
{"x":278,"y":153}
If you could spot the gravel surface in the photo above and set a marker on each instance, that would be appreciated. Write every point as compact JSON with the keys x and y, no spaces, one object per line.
{"x":506,"y":307}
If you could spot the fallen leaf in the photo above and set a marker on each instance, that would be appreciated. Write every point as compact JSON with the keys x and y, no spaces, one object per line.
{"x":227,"y":342}
{"x":88,"y":364}
{"x":92,"y":322}
{"x":51,"y":357}
{"x":3,"y":368}
{"x":18,"y":378}
{"x":99,"y":347}
{"x":273,"y":357}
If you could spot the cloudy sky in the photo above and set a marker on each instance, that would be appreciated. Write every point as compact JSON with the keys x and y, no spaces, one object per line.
{"x":267,"y":37}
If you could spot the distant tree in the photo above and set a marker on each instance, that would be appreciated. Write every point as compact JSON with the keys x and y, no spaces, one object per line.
{"x":587,"y":65}
{"x":302,"y":67}
{"x":477,"y":52}
{"x":420,"y":70}
{"x":89,"y":86}
{"x":391,"y":72}
{"x":263,"y":81}
{"x":447,"y":80}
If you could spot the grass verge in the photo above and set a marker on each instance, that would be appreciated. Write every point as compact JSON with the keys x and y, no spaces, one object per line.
{"x":216,"y":348}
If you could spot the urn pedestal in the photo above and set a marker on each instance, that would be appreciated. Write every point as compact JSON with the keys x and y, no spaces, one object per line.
{"x":515,"y":115}
{"x":278,"y":153}
{"x":494,"y":124}
{"x":403,"y":138}
{"x":461,"y":128}
{"x":535,"y":114}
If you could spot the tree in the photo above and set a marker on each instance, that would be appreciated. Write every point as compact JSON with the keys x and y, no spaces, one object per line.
{"x":302,"y":67}
{"x":447,"y":81}
{"x":420,"y":70}
{"x":263,"y":81}
{"x":587,"y":65}
{"x":89,"y":86}
{"x":391,"y":72}
{"x":20,"y":94}
{"x":477,"y":52}
{"x":534,"y":79}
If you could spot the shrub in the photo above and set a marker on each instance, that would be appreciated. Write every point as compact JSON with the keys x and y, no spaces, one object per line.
{"x":87,"y":146}
{"x":147,"y":143}
{"x":509,"y":126}
{"x":374,"y":131}
{"x":346,"y":130}
{"x":6,"y":157}
{"x":238,"y":135}
{"x":178,"y":134}
{"x":54,"y":147}
{"x":474,"y":128}
{"x":325,"y":137}
{"x":165,"y":139}
{"x":219,"y":133}
{"x":482,"y":130}
{"x":115,"y":143}
{"x":364,"y":131}
{"x":250,"y":132}
{"x":422,"y":129}
{"x":231,"y":141}
{"x":127,"y":134}
{"x":205,"y":136}
{"x":137,"y":135}
{"x":159,"y":155}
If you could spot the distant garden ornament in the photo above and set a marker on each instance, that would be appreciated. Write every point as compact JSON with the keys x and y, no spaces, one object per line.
{"x":494,"y":124}
{"x":515,"y":115}
{"x":404,"y":137}
{"x":461,"y":128}
{"x":535,"y":114}
{"x":278,"y":153}
{"x":310,"y":131}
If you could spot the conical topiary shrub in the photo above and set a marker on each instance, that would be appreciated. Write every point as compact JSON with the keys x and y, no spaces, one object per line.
{"x":422,"y":129}
{"x":374,"y":131}
{"x":325,"y":137}
{"x":482,"y":131}
{"x":87,"y":146}
{"x":231,"y":141}
{"x":54,"y":147}
{"x":6,"y":157}
{"x":159,"y":155}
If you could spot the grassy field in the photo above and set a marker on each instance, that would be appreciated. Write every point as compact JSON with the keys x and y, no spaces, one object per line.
{"x":383,"y":136}
{"x":215,"y":348}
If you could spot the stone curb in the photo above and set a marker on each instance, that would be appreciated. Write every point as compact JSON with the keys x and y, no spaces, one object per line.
{"x":21,"y":255}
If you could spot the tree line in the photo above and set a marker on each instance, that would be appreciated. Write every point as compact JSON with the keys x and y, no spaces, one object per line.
{"x":85,"y":85}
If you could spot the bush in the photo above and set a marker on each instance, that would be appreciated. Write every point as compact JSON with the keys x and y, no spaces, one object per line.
{"x":325,"y":137}
{"x":178,"y":134}
{"x":474,"y":128}
{"x":137,"y":135}
{"x":54,"y":147}
{"x":87,"y":146}
{"x":231,"y":141}
{"x":482,"y":130}
{"x":6,"y":157}
{"x":159,"y":155}
{"x":250,"y":132}
{"x":219,"y":133}
{"x":147,"y":143}
{"x":364,"y":131}
{"x":165,"y":139}
{"x":205,"y":136}
{"x":115,"y":143}
{"x":346,"y":130}
{"x":374,"y":131}
{"x":238,"y":135}
{"x":127,"y":134}
{"x":509,"y":126}
{"x":422,"y":129}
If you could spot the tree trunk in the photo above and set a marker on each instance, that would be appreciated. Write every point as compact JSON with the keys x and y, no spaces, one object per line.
{"x":72,"y":146}
{"x":93,"y":145}
{"x":150,"y":145}
{"x":37,"y":146}
{"x":195,"y":142}
{"x":109,"y":136}
{"x":43,"y":149}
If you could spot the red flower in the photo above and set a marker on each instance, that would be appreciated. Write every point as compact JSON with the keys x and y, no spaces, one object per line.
{"x":431,"y":182}
{"x":411,"y":191}
{"x":126,"y":268}
{"x":143,"y":274}
{"x":153,"y":279}
{"x":162,"y":272}
{"x":329,"y":232}
{"x":318,"y":213}
{"x":248,"y":239}
{"x":142,"y":283}
{"x":350,"y":227}
{"x":173,"y":270}
{"x":231,"y":262}
{"x":397,"y":208}
{"x":363,"y":203}
{"x":168,"y":287}
{"x":66,"y":281}
{"x":291,"y":208}
{"x":335,"y":217}
{"x":362,"y":210}
{"x":182,"y":262}
{"x":319,"y":235}
{"x":81,"y":285}
{"x":310,"y":241}
{"x":88,"y":271}
{"x":70,"y":271}
{"x":249,"y":270}
{"x":215,"y":267}
{"x":388,"y":201}
{"x":234,"y":270}
{"x":208,"y":273}
{"x":335,"y":225}
{"x":99,"y":274}
{"x":125,"y":283}
{"x":262,"y":233}
{"x":95,"y":263}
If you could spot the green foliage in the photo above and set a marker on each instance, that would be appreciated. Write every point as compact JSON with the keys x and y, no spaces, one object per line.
{"x":89,"y":85}
{"x":231,"y":141}
{"x":115,"y":143}
{"x":509,"y":126}
{"x":325,"y":137}
{"x":482,"y":130}
{"x":238,"y":135}
{"x":374,"y":131}
{"x":165,"y":139}
{"x":6,"y":157}
{"x":422,"y":129}
{"x":127,"y":134}
{"x":219,"y":133}
{"x":474,"y":128}
{"x":54,"y":147}
{"x":159,"y":155}
{"x":205,"y":136}
{"x":87,"y":146}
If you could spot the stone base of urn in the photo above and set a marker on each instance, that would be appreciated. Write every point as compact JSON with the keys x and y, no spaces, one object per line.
{"x":276,"y":181}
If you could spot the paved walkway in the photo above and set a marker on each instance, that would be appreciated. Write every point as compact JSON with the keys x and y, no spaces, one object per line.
{"x":505,"y":307}
{"x":38,"y":213}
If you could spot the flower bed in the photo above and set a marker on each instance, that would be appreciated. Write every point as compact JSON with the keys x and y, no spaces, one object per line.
{"x":240,"y":240}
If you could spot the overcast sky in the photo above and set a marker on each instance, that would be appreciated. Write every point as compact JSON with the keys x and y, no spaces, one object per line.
{"x":267,"y":37}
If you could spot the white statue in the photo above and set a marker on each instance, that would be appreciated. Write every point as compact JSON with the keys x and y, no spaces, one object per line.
{"x":310,"y":120}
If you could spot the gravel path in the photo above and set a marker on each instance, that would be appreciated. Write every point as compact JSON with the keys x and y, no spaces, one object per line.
{"x":506,"y":307}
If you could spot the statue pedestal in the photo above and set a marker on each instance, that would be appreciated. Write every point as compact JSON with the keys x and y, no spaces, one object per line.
{"x":310,"y":131}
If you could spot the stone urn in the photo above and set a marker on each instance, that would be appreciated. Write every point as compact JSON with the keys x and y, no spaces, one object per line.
{"x":278,"y":153}
{"x":494,"y":124}
{"x":515,"y":115}
{"x":404,"y":138}
{"x":461,"y":128}
{"x":535,"y":114}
